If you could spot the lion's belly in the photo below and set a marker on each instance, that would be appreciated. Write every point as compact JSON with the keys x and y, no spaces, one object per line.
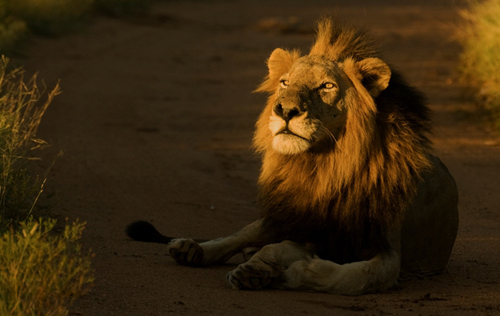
{"x":334,"y":240}
{"x":430,"y":225}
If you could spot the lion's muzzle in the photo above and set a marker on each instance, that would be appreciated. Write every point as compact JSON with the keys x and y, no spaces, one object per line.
{"x":287,"y":112}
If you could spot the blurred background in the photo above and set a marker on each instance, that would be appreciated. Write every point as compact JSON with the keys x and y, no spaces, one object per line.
{"x":152,"y":104}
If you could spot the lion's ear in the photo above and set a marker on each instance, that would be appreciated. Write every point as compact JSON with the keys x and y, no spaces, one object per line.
{"x":278,"y":63}
{"x":375,"y":75}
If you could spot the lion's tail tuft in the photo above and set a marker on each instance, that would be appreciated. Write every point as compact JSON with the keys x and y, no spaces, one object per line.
{"x":144,"y":231}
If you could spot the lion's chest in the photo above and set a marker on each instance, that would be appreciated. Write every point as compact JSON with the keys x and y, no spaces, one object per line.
{"x":338,"y":234}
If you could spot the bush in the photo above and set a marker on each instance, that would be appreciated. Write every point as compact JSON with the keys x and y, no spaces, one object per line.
{"x":42,"y":273}
{"x":480,"y":60}
{"x":52,"y":17}
{"x":21,"y":110}
{"x":12,"y":33}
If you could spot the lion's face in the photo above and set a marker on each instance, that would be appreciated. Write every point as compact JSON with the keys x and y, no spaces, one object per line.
{"x":309,"y":107}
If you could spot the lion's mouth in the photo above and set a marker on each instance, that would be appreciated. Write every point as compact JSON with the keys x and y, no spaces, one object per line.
{"x":287,"y":131}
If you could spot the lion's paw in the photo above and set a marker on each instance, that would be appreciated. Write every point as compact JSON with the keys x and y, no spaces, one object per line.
{"x":186,"y":252}
{"x":253,"y":275}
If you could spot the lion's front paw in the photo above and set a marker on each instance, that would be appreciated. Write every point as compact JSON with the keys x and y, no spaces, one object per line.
{"x":186,"y":252}
{"x":253,"y":275}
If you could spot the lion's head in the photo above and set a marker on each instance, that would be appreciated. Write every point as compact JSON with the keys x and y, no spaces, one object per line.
{"x":343,"y":140}
{"x":313,"y":98}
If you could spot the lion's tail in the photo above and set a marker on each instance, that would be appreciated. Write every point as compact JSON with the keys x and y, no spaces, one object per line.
{"x":144,"y":231}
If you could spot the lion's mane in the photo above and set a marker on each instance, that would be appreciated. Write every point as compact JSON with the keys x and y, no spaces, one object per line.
{"x":345,"y":197}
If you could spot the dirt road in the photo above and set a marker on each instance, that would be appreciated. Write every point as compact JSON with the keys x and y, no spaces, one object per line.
{"x":156,"y":120}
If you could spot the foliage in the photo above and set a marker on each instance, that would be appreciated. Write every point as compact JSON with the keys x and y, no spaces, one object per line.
{"x":480,"y":60}
{"x":51,"y":17}
{"x":42,"y":273}
{"x":54,"y":17}
{"x":21,"y":110}
{"x":12,"y":30}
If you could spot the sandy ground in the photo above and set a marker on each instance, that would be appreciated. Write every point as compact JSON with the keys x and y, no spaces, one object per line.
{"x":156,"y":120}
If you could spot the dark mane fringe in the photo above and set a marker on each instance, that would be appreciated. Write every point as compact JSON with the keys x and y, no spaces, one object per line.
{"x":345,"y":197}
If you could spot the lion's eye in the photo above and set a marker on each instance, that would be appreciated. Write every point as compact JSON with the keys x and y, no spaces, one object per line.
{"x":328,"y":85}
{"x":284,"y":83}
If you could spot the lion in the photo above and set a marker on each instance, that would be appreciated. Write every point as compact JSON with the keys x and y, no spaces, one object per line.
{"x":351,"y":197}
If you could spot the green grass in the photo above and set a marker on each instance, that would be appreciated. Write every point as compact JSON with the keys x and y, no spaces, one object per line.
{"x":22,"y":106}
{"x":42,"y":273}
{"x":480,"y":60}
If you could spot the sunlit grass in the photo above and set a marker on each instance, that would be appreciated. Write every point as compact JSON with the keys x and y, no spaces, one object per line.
{"x":21,"y":111}
{"x":42,"y":273}
{"x":480,"y":60}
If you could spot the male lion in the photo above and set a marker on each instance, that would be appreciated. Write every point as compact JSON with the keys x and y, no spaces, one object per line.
{"x":351,"y":197}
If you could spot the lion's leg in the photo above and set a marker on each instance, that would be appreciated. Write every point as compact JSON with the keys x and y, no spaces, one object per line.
{"x":267,"y":265}
{"x":189,"y":252}
{"x":379,"y":273}
{"x":289,"y":265}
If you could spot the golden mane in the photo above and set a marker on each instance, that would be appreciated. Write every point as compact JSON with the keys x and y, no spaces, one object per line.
{"x":350,"y":192}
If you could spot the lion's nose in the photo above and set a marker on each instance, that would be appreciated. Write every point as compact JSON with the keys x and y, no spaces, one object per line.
{"x":287,"y":113}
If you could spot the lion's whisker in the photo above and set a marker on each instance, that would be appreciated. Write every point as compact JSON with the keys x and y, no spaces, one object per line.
{"x":329,"y":134}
